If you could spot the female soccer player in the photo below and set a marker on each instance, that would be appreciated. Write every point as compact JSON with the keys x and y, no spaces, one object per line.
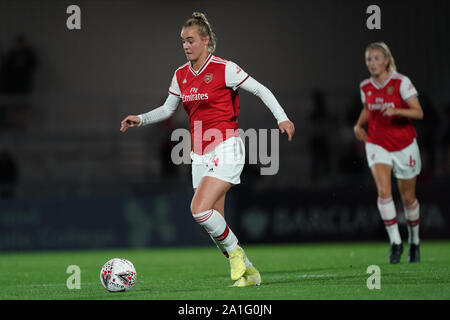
{"x":208,"y":88}
{"x":390,"y":102}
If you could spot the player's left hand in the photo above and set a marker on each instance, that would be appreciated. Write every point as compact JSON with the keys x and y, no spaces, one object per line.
{"x":288,"y":127}
{"x":389,"y":112}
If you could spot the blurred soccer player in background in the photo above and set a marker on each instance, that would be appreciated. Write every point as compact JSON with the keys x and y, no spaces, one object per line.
{"x":208,"y":88}
{"x":390,"y":103}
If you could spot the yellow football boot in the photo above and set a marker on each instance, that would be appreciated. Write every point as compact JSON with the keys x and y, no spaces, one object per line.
{"x":251,"y":277}
{"x":237,"y":264}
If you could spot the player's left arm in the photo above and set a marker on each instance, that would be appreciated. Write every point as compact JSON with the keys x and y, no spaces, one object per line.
{"x":259,"y":90}
{"x":236,"y":78}
{"x":413,"y":112}
{"x":409,"y":94}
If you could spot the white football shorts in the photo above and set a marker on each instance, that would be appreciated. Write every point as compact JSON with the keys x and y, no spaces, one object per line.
{"x":224,"y":162}
{"x":406,"y":163}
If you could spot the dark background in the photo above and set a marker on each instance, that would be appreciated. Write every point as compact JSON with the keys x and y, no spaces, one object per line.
{"x":70,"y":179}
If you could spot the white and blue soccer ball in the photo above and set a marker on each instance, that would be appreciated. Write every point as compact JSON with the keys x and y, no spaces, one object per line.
{"x":118,"y":275}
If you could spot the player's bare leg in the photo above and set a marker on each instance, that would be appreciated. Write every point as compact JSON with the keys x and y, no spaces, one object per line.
{"x":407,"y":188}
{"x":208,"y":193}
{"x":382,"y":175}
{"x":220,"y":205}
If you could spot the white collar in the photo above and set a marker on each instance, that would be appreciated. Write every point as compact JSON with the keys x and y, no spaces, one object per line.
{"x":381,"y":85}
{"x":203,"y":67}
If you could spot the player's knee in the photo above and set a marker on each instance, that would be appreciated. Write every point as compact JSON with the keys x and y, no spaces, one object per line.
{"x":408,"y":199}
{"x":384,"y":193}
{"x":194,"y":208}
{"x":199,"y":207}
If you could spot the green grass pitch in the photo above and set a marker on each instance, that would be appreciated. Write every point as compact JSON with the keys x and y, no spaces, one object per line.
{"x":289,"y":272}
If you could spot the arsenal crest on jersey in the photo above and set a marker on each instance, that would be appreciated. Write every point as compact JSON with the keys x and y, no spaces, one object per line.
{"x":390,"y":90}
{"x":208,"y":78}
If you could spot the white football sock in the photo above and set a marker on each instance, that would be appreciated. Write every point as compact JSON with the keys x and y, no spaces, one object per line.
{"x":412,"y":214}
{"x":248,"y":264}
{"x":216,"y":226}
{"x":219,"y":246}
{"x":387,"y":211}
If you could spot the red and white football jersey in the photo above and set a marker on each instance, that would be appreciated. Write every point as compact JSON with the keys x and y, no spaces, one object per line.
{"x":392,"y":133}
{"x":211,"y":100}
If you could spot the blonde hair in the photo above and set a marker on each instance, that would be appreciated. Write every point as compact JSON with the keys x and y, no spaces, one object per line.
{"x":204,"y":28}
{"x":383,"y":47}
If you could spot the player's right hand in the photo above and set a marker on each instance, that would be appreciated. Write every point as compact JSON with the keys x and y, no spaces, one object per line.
{"x":360,"y":133}
{"x":129,"y":122}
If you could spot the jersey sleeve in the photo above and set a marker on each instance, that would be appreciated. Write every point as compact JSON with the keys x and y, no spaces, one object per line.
{"x":363,"y":97}
{"x":162,"y":113}
{"x":407,"y":89}
{"x":234,"y":75}
{"x":174,"y":87}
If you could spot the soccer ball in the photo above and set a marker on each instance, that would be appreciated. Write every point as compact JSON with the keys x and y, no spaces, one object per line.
{"x":118,"y":275}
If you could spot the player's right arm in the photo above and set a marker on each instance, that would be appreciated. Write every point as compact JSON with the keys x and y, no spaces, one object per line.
{"x":358,"y":129}
{"x":363,"y":118}
{"x":129,"y":122}
{"x":162,"y":113}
